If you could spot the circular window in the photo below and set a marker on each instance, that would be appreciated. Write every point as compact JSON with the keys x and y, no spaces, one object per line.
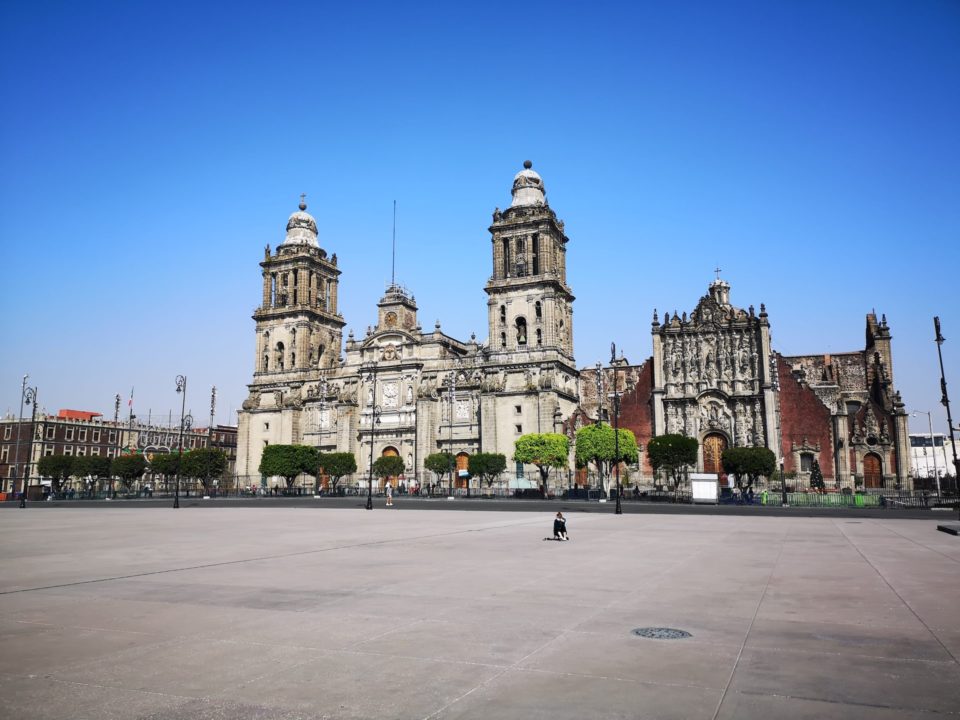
{"x":871,"y":441}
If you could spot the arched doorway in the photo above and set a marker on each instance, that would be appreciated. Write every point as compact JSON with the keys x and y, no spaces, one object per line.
{"x":872,"y":471}
{"x":389,"y":452}
{"x":713,"y":447}
{"x":463,"y":463}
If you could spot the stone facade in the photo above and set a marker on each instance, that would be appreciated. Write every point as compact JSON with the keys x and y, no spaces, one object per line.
{"x":403,"y":391}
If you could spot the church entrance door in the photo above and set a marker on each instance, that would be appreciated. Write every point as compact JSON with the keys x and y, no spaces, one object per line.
{"x":389,"y":452}
{"x":872,"y":471}
{"x":463,"y":463}
{"x":713,"y":447}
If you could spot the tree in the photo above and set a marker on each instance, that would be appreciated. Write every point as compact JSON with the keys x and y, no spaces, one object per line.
{"x":439,"y":463}
{"x":58,"y":468}
{"x":128,"y":468}
{"x":287,"y":461}
{"x":545,"y":450}
{"x":672,"y":453}
{"x":388,"y":466}
{"x":205,"y":464}
{"x":487,"y":466}
{"x":748,"y":464}
{"x":816,"y":477}
{"x":92,"y":468}
{"x":597,"y":444}
{"x":165,"y":464}
{"x":310,"y":460}
{"x":336,"y":465}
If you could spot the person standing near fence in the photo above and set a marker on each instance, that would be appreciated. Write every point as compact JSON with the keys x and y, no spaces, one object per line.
{"x":389,"y":491}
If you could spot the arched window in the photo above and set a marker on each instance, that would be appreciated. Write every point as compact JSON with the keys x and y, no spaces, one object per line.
{"x":521,"y":331}
{"x":293,"y":360}
{"x":539,"y":337}
{"x":503,"y":340}
{"x":503,"y":313}
{"x":266,"y":362}
{"x":538,"y":310}
{"x":278,"y":359}
{"x":806,"y":462}
{"x":320,"y":354}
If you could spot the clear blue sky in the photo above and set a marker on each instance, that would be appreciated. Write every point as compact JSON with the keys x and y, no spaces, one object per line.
{"x":151,"y":150}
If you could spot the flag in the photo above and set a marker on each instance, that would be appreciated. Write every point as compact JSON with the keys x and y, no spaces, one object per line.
{"x":130,"y":401}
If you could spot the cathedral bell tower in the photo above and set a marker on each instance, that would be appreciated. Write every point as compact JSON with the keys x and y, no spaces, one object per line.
{"x":530,"y":306}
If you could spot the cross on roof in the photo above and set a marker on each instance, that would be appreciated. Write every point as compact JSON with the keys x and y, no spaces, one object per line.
{"x":717,"y":271}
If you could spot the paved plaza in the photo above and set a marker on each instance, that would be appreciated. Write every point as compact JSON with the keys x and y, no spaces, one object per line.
{"x":300,"y":612}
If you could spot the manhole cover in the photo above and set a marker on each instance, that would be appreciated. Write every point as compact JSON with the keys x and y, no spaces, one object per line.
{"x":662,"y":633}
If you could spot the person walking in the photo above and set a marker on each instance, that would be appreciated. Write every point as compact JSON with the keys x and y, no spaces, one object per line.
{"x":389,"y":490}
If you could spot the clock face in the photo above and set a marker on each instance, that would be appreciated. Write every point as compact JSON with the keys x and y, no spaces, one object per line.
{"x":391,"y":319}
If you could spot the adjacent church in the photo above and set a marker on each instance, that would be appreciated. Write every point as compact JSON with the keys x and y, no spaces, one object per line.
{"x":403,"y":391}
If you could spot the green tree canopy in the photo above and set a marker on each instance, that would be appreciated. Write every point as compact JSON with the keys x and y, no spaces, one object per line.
{"x":128,"y":468}
{"x":58,"y":468}
{"x":94,"y":467}
{"x":439,"y":463}
{"x":487,"y":466}
{"x":336,"y":465}
{"x":597,"y":444}
{"x":205,"y":464}
{"x":287,"y":461}
{"x":545,"y":451}
{"x":388,"y":466}
{"x":672,"y":453}
{"x":165,"y":464}
{"x":748,"y":464}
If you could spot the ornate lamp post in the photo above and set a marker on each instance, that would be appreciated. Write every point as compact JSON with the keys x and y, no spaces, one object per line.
{"x":186,"y":422}
{"x":945,"y":399}
{"x":616,"y":427}
{"x":374,"y":421}
{"x":213,"y":409}
{"x":453,"y":394}
{"x":599,"y":424}
{"x":28,"y":396}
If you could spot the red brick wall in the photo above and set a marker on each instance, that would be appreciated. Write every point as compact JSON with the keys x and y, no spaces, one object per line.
{"x":803,"y":416}
{"x":636,"y":414}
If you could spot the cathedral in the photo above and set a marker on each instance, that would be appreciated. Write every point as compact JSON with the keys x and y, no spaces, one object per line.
{"x":401,"y":391}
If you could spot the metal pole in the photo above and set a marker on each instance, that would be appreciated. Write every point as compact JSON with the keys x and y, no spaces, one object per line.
{"x":181,"y":388}
{"x":31,"y":399}
{"x":599,"y":425}
{"x":373,"y":422}
{"x":116,"y":429}
{"x":16,"y":472}
{"x":453,"y":392}
{"x":946,"y":403}
{"x":616,"y":427}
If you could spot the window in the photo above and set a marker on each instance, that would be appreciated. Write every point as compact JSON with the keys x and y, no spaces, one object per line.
{"x":806,"y":462}
{"x":81,"y":451}
{"x":48,"y":450}
{"x":539,"y":337}
{"x":538,"y":310}
{"x":96,"y":436}
{"x":519,"y":469}
{"x":503,"y":313}
{"x":6,"y":433}
{"x":68,"y":434}
{"x":519,"y":428}
{"x":521,"y":331}
{"x":112,"y":436}
{"x":95,"y":451}
{"x":68,"y":450}
{"x":506,"y":257}
{"x":518,"y":409}
{"x":82,"y":434}
{"x":536,"y":254}
{"x":3,"y":454}
{"x":110,"y":453}
{"x":503,"y":341}
{"x":51,"y":433}
{"x":266,"y":426}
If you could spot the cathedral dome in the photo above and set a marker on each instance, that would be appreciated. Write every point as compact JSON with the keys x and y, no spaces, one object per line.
{"x":301,"y":227}
{"x":528,"y":187}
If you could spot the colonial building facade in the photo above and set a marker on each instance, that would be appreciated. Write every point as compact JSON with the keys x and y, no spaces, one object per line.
{"x":401,"y":390}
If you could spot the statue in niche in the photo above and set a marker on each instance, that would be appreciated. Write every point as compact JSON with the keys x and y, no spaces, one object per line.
{"x":409,"y":394}
{"x":369,"y":396}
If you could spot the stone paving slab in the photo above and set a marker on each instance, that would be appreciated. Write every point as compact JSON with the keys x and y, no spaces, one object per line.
{"x":304,"y":612}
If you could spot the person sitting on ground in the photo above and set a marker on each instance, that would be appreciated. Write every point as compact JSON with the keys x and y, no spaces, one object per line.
{"x":560,"y":527}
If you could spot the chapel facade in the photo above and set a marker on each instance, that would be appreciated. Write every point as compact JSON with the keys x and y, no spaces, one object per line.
{"x":401,"y":390}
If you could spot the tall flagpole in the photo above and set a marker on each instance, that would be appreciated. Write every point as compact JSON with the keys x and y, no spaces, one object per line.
{"x":393,"y":249}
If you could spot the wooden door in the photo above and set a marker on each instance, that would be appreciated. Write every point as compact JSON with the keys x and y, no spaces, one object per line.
{"x":463,"y":462}
{"x":713,"y":447}
{"x":872,"y":471}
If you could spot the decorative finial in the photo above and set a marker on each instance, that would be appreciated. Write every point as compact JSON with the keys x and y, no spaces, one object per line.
{"x":303,"y":201}
{"x":527,"y":164}
{"x":717,"y":271}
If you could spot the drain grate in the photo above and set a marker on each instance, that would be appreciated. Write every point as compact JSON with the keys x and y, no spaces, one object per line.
{"x":661,"y":633}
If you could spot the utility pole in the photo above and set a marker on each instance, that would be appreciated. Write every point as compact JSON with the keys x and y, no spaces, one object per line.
{"x":945,"y":400}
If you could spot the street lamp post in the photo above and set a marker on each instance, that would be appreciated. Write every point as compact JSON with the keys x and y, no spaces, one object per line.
{"x":933,"y":447}
{"x":16,"y":470}
{"x":599,"y":424}
{"x":184,"y":419}
{"x":29,"y":396}
{"x":213,"y":409}
{"x":945,"y":401}
{"x":453,"y":394}
{"x":374,"y":421}
{"x":616,"y":427}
